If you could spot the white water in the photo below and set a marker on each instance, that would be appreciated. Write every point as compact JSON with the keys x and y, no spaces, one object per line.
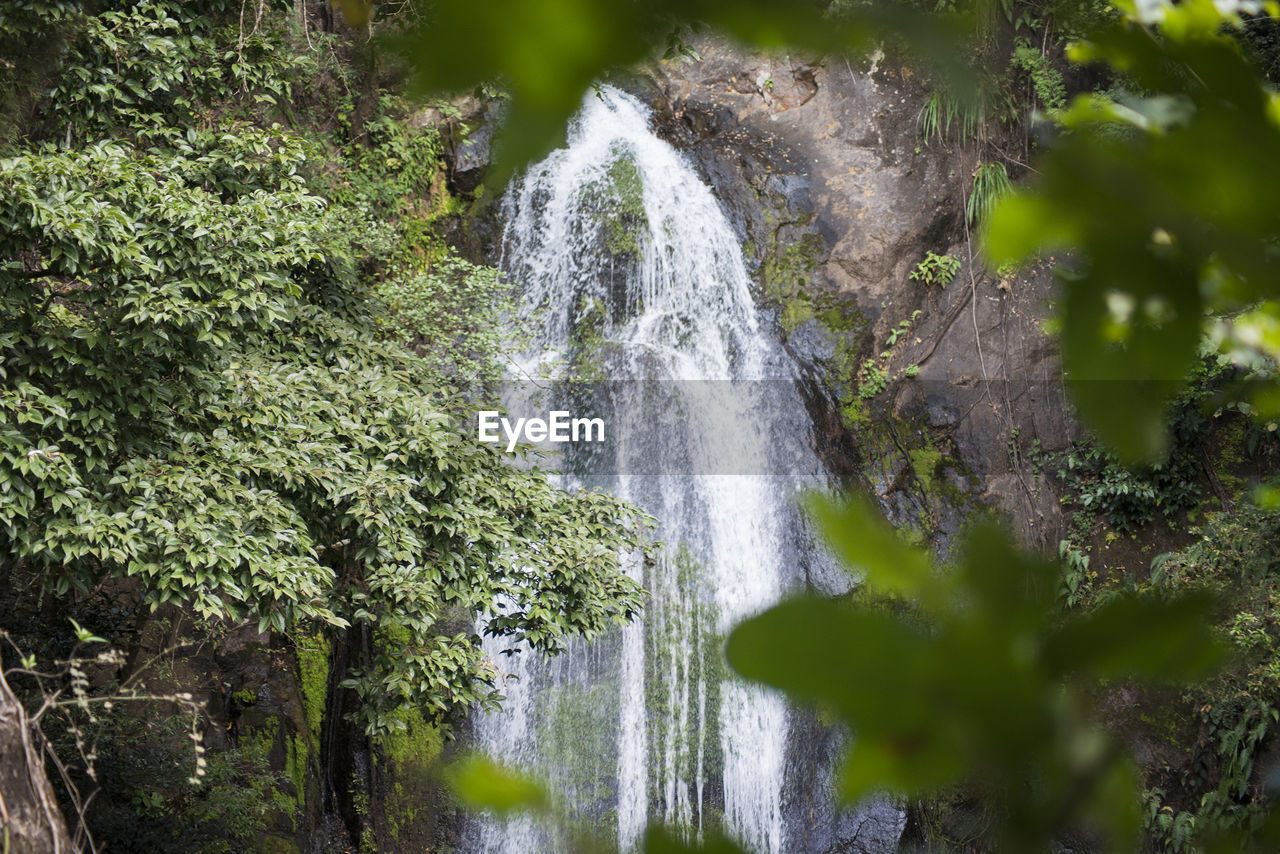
{"x":628,"y":262}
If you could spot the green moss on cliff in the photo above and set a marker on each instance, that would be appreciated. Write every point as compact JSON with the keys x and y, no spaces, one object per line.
{"x":277,"y":845}
{"x":618,"y":201}
{"x":786,"y":271}
{"x":414,"y":741}
{"x":407,"y":757}
{"x":924,"y":462}
{"x":313,"y":673}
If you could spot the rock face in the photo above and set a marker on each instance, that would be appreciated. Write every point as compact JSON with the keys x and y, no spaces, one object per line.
{"x":838,"y":198}
{"x":844,"y":144}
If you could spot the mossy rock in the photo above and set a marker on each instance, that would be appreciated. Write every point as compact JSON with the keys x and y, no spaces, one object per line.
{"x":618,"y":200}
{"x":409,"y":801}
{"x":272,"y":844}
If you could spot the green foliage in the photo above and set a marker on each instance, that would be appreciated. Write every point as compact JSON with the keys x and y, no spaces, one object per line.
{"x":873,"y":379}
{"x":963,"y":111}
{"x":1159,"y":231}
{"x":944,"y":110}
{"x":1130,"y":497}
{"x":1174,"y":832}
{"x":1046,"y":81}
{"x":990,"y":185}
{"x":194,"y":396}
{"x":219,"y":425}
{"x":457,"y":316}
{"x":483,"y":784}
{"x":977,"y":679}
{"x":32,"y":35}
{"x":1235,"y":553}
{"x":389,"y":170}
{"x":151,"y":807}
{"x":1075,"y":574}
{"x":903,"y":327}
{"x":678,"y":50}
{"x":148,"y":66}
{"x":936,"y":269}
{"x":1127,"y":499}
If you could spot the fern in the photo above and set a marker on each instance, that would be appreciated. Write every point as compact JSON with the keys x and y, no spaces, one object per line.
{"x":944,"y":110}
{"x":963,"y":116}
{"x":990,"y":184}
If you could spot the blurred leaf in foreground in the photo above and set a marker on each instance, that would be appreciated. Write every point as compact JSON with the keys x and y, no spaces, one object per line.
{"x":658,"y":840}
{"x":976,"y":678}
{"x":547,"y":54}
{"x":481,"y":783}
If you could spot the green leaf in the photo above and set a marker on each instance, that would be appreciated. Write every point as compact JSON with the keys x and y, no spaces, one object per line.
{"x":659,"y":840}
{"x":1140,"y":636}
{"x":866,"y":543}
{"x":483,"y":784}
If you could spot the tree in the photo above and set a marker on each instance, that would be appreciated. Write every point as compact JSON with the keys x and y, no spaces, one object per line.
{"x":191,"y":400}
{"x":30,"y":820}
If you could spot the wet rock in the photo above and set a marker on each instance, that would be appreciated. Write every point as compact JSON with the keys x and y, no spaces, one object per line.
{"x":473,"y":148}
{"x":811,"y":342}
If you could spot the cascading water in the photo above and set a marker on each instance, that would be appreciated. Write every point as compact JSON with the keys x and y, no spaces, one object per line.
{"x":639,"y":301}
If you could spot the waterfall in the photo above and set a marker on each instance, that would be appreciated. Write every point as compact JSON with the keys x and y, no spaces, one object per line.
{"x":637,"y":301}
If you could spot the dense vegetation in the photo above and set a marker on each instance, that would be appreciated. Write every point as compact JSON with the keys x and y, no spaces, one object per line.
{"x":210,"y":276}
{"x":235,"y":349}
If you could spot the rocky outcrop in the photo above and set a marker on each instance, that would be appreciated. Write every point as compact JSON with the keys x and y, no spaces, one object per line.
{"x":838,"y":199}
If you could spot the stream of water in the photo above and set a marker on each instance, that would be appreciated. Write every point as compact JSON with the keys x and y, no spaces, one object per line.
{"x":640,"y":309}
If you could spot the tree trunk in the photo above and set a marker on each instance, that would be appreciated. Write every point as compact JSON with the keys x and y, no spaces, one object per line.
{"x":30,"y":821}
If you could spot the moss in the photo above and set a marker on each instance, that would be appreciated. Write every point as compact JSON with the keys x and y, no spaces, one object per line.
{"x":409,"y":753}
{"x":245,"y":696}
{"x":683,"y":653}
{"x":845,"y":323}
{"x":936,"y":470}
{"x":786,"y":266}
{"x":260,"y":739}
{"x":618,"y":200}
{"x":412,"y":739}
{"x":296,"y":758}
{"x":576,"y":727}
{"x":286,"y":805}
{"x":273,"y":844}
{"x":293,"y":754}
{"x":587,"y":343}
{"x":313,"y":672}
{"x":796,"y":313}
{"x":786,"y":270}
{"x":914,"y":535}
{"x":1168,"y":723}
{"x":853,"y":414}
{"x":924,"y":462}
